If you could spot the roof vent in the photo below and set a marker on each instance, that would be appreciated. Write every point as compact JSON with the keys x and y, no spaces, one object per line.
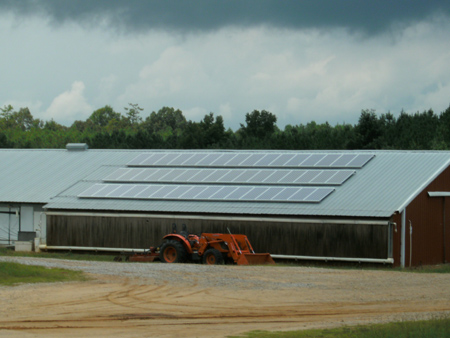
{"x":77,"y":146}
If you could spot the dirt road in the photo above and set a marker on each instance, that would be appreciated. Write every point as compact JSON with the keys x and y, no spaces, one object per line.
{"x":154,"y":300}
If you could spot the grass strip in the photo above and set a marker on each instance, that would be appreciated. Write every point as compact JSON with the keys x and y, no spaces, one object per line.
{"x":59,"y":255}
{"x":434,"y":328}
{"x":15,"y":273}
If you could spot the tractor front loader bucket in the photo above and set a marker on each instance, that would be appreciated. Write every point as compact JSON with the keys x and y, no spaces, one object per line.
{"x":255,"y":259}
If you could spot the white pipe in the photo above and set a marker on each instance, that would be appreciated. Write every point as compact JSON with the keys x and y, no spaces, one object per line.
{"x":223,"y":218}
{"x":315,"y":258}
{"x":403,"y":240}
{"x":342,"y":259}
{"x":86,"y":248}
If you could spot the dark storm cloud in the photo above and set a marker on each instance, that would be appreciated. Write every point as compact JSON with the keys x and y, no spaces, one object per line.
{"x":193,"y":15}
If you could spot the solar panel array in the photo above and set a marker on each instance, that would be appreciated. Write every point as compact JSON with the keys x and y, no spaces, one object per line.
{"x":230,"y":176}
{"x":283,"y":160}
{"x":207,"y":193}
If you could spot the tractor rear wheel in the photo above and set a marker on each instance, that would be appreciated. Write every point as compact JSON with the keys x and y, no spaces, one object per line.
{"x":172,"y":252}
{"x":212,"y":257}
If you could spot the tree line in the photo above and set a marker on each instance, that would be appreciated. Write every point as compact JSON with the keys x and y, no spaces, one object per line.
{"x":168,"y":128}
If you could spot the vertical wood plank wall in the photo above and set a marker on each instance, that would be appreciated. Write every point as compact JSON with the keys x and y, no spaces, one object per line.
{"x":283,"y":238}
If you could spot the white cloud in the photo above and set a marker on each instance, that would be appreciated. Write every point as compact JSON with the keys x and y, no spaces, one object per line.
{"x":299,"y":75}
{"x":70,"y":105}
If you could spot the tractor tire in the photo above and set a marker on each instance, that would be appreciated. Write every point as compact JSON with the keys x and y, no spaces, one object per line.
{"x":173,"y":252}
{"x":212,"y":257}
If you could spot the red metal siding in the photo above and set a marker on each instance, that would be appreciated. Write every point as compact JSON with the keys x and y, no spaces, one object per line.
{"x":426,"y":215}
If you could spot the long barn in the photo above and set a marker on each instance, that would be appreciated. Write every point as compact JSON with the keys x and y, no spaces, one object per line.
{"x":365,"y":206}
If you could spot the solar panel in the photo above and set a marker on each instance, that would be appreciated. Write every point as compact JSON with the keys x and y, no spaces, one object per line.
{"x":187,"y":175}
{"x":127,"y":175}
{"x":312,"y":160}
{"x":343,"y":160}
{"x":194,"y":159}
{"x":107,"y":190}
{"x":318,"y":195}
{"x":245,"y":176}
{"x":285,"y":194}
{"x":328,"y":160}
{"x":178,"y":191}
{"x":172,"y":175}
{"x":230,"y":176}
{"x":191,"y":193}
{"x":261,"y":176}
{"x":254,"y":193}
{"x":270,"y":193}
{"x":147,"y":191}
{"x":138,"y":159}
{"x":162,"y":192}
{"x":208,"y":159}
{"x":197,"y":177}
{"x":323,"y":177}
{"x":183,"y":157}
{"x":276,"y":176}
{"x":267,"y":160}
{"x":282,"y":160}
{"x":211,"y":175}
{"x":142,"y":175}
{"x":237,"y":160}
{"x":222,"y":160}
{"x":205,"y":193}
{"x":133,"y":191}
{"x":292,"y":176}
{"x":297,"y":160}
{"x":302,"y":194}
{"x":340,"y":177}
{"x":252,"y":159}
{"x":120,"y":189}
{"x":307,"y":177}
{"x":153,"y":159}
{"x":91,"y":190}
{"x":223,"y":193}
{"x":360,"y":160}
{"x":117,"y":174}
{"x":172,"y":157}
{"x":238,"y":193}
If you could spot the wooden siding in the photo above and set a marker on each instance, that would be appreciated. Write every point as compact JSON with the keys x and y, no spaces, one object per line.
{"x":427,"y":219}
{"x":283,"y":238}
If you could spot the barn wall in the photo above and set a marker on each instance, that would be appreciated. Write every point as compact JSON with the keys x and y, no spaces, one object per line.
{"x":397,"y":239}
{"x":284,"y":238}
{"x":427,"y":219}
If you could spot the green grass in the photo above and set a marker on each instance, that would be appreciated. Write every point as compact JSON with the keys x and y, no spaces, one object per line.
{"x":14,"y":273}
{"x":442,"y":268}
{"x":82,"y":256}
{"x":59,"y":255}
{"x":435,"y":328}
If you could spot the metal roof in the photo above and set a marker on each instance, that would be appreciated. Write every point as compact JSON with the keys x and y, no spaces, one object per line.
{"x":35,"y":176}
{"x":386,"y":184}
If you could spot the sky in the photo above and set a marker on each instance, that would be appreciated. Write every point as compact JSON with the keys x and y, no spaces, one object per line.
{"x":303,"y":61}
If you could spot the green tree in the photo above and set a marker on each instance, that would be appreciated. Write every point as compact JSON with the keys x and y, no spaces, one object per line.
{"x":259,"y":124}
{"x":167,"y":122}
{"x":368,"y":130}
{"x":133,"y":113}
{"x":21,"y":119}
{"x":101,"y":117}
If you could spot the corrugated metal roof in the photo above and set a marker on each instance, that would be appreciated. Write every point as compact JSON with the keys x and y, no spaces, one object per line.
{"x":383,"y":186}
{"x":35,"y":176}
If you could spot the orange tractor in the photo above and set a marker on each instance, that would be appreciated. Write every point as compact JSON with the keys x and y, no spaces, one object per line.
{"x":208,"y":248}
